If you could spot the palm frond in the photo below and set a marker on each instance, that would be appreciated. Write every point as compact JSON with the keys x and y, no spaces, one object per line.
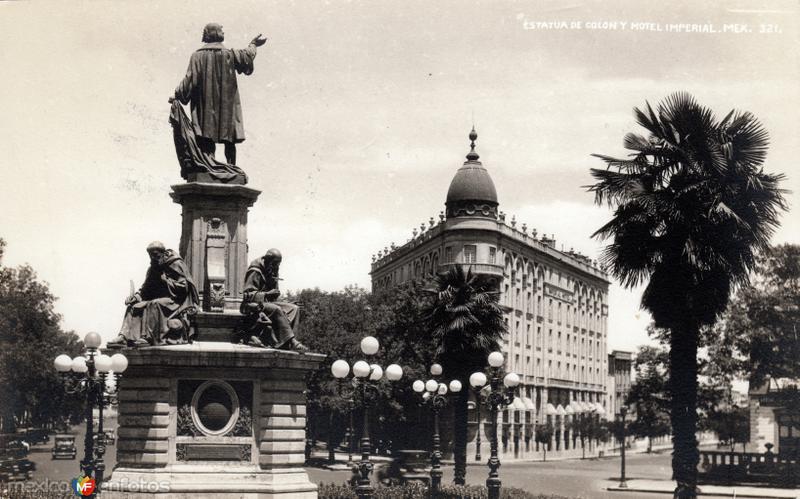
{"x":692,"y":208}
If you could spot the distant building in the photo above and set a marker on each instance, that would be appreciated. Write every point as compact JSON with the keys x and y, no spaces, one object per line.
{"x":775,"y":416}
{"x":620,"y":366}
{"x":555,"y":301}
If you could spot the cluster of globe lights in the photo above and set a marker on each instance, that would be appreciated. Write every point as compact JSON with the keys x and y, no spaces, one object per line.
{"x":362,"y":369}
{"x":478,"y":379}
{"x":432,"y":386}
{"x":116,"y":363}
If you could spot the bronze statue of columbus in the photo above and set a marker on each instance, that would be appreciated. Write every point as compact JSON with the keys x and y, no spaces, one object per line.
{"x":210,"y":87}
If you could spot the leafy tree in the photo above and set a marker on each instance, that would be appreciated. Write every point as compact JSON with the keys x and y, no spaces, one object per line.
{"x":587,"y":428}
{"x":649,"y":394}
{"x":544,"y":435}
{"x":466,"y":324}
{"x":618,"y":429}
{"x":406,"y":340}
{"x":334,"y":323}
{"x":732,"y":425}
{"x":759,"y":329}
{"x":30,"y":338}
{"x":692,"y":206}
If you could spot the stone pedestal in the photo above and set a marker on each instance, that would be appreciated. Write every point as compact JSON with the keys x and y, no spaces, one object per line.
{"x":214,"y":239}
{"x":212,"y":420}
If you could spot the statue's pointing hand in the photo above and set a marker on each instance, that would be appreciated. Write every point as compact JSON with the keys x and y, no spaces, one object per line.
{"x":259,"y":40}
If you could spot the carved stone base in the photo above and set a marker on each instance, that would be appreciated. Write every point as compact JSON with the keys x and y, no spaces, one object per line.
{"x":212,"y":419}
{"x":209,"y":482}
{"x":216,"y":327}
{"x":214,"y":239}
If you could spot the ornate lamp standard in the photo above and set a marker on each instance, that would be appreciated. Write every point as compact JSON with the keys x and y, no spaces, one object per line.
{"x":435,"y":393}
{"x":623,"y":411}
{"x":477,"y":382}
{"x":87,"y":375}
{"x":365,"y":384}
{"x":496,"y":399}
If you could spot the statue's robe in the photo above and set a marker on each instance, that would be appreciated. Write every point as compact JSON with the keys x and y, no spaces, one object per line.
{"x":210,"y":86}
{"x":260,"y":302}
{"x":167,"y":295}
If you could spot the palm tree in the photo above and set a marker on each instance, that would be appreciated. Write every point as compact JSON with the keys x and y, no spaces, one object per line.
{"x":692,"y":207}
{"x":466,"y":324}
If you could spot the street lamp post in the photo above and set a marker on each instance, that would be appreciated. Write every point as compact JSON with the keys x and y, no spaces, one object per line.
{"x":477,"y":391}
{"x":87,"y":375}
{"x":365,"y":384}
{"x":348,"y":396}
{"x":623,"y":411}
{"x":497,"y":398}
{"x":435,"y":393}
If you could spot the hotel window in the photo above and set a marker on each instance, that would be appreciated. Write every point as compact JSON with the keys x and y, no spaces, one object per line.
{"x":448,"y":254}
{"x":470,"y":252}
{"x":492,"y":254}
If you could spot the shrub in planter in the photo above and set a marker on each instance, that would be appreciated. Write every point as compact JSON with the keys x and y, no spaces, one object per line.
{"x":419,"y":491}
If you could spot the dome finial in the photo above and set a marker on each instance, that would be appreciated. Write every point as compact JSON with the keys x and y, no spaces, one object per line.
{"x":472,"y":156}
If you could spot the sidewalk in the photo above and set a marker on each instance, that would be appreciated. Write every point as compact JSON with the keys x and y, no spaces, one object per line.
{"x":667,"y":486}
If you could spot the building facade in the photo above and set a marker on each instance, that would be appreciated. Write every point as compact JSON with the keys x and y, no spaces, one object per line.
{"x":555,"y":302}
{"x":774,"y":409}
{"x":620,"y":366}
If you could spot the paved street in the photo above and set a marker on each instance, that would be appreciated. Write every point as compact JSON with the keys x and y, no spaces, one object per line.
{"x":572,"y":478}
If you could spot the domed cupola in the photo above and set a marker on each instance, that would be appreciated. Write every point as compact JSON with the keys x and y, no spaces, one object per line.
{"x":472,"y":192}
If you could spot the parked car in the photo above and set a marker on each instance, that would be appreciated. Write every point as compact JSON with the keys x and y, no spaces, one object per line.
{"x":12,"y":469}
{"x":64,"y":446}
{"x":16,"y":449}
{"x":35,"y":436}
{"x":109,"y":434}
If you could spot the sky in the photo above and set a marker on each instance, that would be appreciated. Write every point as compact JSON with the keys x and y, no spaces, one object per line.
{"x":356,"y":117}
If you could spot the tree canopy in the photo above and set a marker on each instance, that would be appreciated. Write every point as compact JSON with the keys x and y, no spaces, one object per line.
{"x":334,"y":323}
{"x":30,"y":338}
{"x":758,"y":333}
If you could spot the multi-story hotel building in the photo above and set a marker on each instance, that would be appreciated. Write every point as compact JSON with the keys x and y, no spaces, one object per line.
{"x":555,"y":302}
